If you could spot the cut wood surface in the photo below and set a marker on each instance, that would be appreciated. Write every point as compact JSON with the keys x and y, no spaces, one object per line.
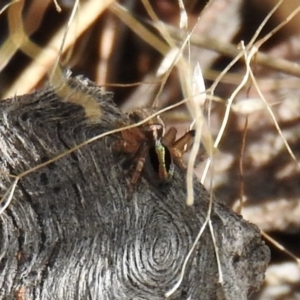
{"x":70,"y":231}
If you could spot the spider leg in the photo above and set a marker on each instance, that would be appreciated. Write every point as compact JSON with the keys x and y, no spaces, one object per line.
{"x":183,"y":143}
{"x":180,"y":146}
{"x":170,"y":137}
{"x":120,"y":146}
{"x":141,"y":159}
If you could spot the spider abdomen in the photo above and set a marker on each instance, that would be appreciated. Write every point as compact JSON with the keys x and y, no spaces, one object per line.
{"x":161,"y":161}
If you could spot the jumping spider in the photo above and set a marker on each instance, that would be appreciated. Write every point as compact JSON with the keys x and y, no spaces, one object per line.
{"x":151,"y":148}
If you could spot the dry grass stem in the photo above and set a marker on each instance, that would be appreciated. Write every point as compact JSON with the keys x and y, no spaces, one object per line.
{"x":46,"y":57}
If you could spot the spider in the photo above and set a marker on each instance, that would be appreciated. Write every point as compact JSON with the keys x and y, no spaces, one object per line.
{"x":151,"y":148}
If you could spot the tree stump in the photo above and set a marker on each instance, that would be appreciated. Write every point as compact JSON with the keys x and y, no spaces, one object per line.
{"x":70,"y":232}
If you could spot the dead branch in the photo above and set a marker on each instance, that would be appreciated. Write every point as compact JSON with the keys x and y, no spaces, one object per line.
{"x":71,"y":233}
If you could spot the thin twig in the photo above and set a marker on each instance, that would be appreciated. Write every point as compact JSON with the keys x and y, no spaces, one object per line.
{"x":231,"y":50}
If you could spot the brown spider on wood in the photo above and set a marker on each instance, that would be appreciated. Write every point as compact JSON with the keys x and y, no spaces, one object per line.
{"x":152,"y":149}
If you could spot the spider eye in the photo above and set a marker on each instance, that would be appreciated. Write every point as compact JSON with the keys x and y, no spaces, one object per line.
{"x":135,"y":117}
{"x":161,"y":161}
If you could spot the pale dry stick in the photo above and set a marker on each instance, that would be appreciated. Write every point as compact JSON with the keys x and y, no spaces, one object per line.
{"x":227,"y":111}
{"x":258,"y":44}
{"x":161,"y":26}
{"x":7,"y":6}
{"x":133,"y":84}
{"x":216,"y":251}
{"x":183,"y":20}
{"x":174,"y":56}
{"x":216,"y":82}
{"x":191,"y":162}
{"x":230,"y":50}
{"x":7,"y":174}
{"x":58,"y":8}
{"x":16,"y":33}
{"x":261,"y":58}
{"x":248,"y":58}
{"x":195,"y":111}
{"x":211,"y":200}
{"x":247,"y":61}
{"x":58,"y":79}
{"x":18,"y":38}
{"x":60,"y":51}
{"x":280,"y":247}
{"x":106,"y":47}
{"x":89,"y":12}
{"x":268,"y":107}
{"x":187,"y":258}
{"x":241,"y":168}
{"x":139,"y":29}
{"x":183,"y":66}
{"x":210,"y":95}
{"x":7,"y":197}
{"x":198,"y":88}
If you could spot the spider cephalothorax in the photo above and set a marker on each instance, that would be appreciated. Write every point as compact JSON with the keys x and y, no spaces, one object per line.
{"x":152,"y":149}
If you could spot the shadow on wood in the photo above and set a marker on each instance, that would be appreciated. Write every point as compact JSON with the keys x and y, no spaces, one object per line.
{"x":71,"y":233}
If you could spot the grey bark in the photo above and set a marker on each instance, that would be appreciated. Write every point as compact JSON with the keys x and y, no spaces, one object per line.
{"x":70,"y":231}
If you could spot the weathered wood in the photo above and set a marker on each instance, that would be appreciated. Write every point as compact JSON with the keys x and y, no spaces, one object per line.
{"x":71,"y":233}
